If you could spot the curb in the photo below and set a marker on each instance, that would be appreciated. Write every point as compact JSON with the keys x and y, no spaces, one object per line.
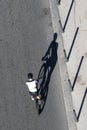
{"x":62,"y":66}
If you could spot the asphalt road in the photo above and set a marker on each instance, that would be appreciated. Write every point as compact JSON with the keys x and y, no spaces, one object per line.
{"x":25,"y":35}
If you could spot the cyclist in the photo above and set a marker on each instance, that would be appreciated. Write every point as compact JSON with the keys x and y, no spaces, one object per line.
{"x":32,"y":86}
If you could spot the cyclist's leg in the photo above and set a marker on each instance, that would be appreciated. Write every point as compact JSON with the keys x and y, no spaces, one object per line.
{"x":32,"y":94}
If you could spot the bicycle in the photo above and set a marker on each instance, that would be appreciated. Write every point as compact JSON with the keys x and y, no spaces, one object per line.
{"x":38,"y":100}
{"x":44,"y":72}
{"x":42,"y":84}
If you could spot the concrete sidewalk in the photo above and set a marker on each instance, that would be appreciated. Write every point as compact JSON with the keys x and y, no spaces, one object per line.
{"x":62,"y":66}
{"x":75,"y":68}
{"x":77,"y":18}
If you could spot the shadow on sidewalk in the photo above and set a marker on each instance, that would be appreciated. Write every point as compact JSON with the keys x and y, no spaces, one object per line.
{"x":49,"y":62}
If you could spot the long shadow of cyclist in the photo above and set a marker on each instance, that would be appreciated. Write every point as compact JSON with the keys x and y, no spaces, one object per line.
{"x":50,"y":60}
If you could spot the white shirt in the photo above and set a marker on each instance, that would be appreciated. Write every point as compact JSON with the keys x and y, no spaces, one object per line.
{"x":32,"y":85}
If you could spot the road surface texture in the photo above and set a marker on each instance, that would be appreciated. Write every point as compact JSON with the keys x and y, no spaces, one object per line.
{"x":26,"y":33}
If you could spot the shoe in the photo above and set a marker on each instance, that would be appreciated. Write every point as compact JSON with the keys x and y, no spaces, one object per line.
{"x":32,"y":98}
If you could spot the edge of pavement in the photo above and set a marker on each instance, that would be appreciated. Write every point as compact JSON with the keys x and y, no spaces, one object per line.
{"x":62,"y":66}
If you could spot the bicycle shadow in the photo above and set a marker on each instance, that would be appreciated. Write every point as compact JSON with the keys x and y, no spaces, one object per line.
{"x":44,"y":76}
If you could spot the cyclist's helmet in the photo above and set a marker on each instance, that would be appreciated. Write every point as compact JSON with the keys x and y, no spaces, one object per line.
{"x":30,"y":75}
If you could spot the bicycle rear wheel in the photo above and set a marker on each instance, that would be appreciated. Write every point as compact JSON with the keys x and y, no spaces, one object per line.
{"x":38,"y":106}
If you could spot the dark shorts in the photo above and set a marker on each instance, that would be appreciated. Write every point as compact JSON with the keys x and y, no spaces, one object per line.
{"x":33,"y":93}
